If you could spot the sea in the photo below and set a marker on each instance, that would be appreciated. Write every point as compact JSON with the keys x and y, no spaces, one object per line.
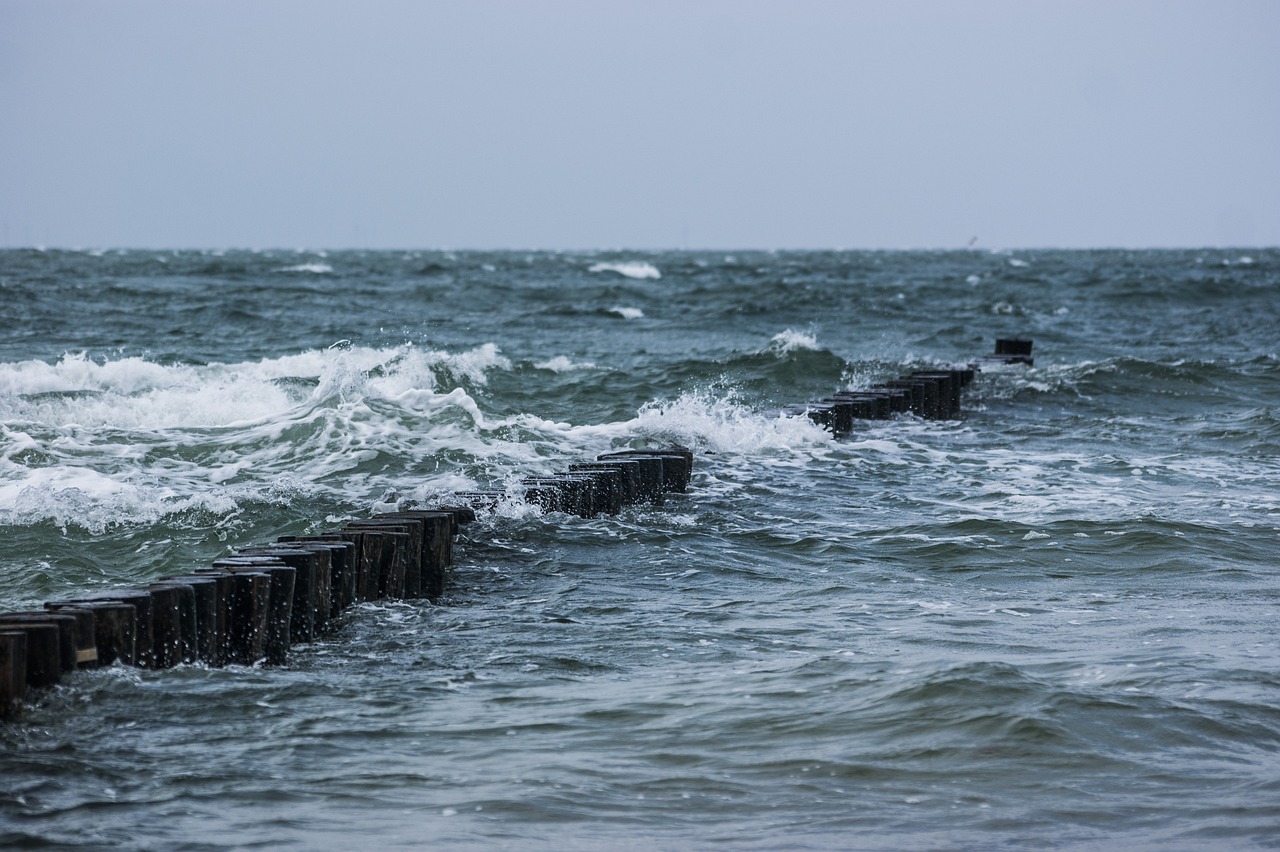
{"x":1050,"y":623}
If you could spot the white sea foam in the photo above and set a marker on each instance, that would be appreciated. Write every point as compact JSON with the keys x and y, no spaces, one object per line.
{"x":313,"y":268}
{"x":721,"y":425}
{"x":627,"y":313}
{"x":128,"y":440}
{"x":629,"y":269}
{"x":792,"y":340}
{"x":562,"y":364}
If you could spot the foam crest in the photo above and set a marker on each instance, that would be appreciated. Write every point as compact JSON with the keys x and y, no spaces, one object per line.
{"x":629,"y":269}
{"x":627,"y":313}
{"x":312,"y":268}
{"x":130,"y":441}
{"x":720,"y":424}
{"x":76,"y":373}
{"x":562,"y":364}
{"x":791,"y":340}
{"x":82,"y":497}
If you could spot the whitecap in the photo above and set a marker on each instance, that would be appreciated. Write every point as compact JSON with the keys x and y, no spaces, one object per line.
{"x":627,"y":313}
{"x":313,"y":268}
{"x":791,"y":340}
{"x":629,"y":269}
{"x":721,"y":425}
{"x":562,"y":364}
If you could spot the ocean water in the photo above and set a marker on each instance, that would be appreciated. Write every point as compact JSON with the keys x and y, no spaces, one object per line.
{"x":1051,"y":623}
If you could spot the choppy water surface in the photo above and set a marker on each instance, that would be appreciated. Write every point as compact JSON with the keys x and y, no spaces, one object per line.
{"x":1049,"y":624}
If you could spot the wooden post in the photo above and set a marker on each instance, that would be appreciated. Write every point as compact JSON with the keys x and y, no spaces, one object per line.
{"x":653,"y":472}
{"x":948,"y":391}
{"x":613,"y":481}
{"x":68,"y":641}
{"x":13,"y":673}
{"x":632,"y":483}
{"x":222,"y":652}
{"x":343,"y":560}
{"x":169,"y":628}
{"x":410,"y":554}
{"x":390,"y":545}
{"x":438,"y":530}
{"x":251,"y":616}
{"x":86,"y":634}
{"x":545,"y":497}
{"x":282,"y":598}
{"x":43,"y":652}
{"x":310,"y":588}
{"x":205,"y":591}
{"x":114,"y":623}
{"x":140,"y":600}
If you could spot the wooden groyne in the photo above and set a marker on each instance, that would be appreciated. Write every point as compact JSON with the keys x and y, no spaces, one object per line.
{"x":929,"y":394}
{"x":253,"y":605}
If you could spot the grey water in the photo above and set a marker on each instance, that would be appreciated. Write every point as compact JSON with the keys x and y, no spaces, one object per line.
{"x":1050,"y":623}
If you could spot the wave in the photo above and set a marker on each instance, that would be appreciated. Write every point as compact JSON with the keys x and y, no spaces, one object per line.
{"x":562,"y":364}
{"x":791,"y":340}
{"x":629,"y":269}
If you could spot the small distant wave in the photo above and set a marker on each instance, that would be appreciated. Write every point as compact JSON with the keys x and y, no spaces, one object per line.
{"x":627,"y":313}
{"x":629,"y":269}
{"x":561,"y":364}
{"x":313,"y":268}
{"x":792,"y":340}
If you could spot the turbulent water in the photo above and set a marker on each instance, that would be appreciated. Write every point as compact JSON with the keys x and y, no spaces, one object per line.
{"x":1052,"y":623}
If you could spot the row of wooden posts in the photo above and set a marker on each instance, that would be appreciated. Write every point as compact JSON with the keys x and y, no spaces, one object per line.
{"x":929,"y":394}
{"x":252,"y":606}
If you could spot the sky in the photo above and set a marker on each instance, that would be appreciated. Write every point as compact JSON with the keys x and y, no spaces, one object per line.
{"x":560,"y":124}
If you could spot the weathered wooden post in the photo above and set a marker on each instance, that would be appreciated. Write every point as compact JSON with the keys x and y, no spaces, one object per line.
{"x":629,"y":471}
{"x":281,"y":600}
{"x":114,"y":623}
{"x":250,"y":615}
{"x":68,"y":639}
{"x":607,"y":484}
{"x":13,"y":673}
{"x":43,"y":650}
{"x":86,"y":644}
{"x":390,"y":546}
{"x":437,"y":531}
{"x":343,"y":565}
{"x":310,"y":589}
{"x":404,"y":579}
{"x":545,"y":497}
{"x":171,"y":628}
{"x":653,"y":468}
{"x":948,"y":391}
{"x":207,"y":603}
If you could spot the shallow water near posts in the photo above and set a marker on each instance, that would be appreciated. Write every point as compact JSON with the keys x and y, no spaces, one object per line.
{"x":1049,"y":623}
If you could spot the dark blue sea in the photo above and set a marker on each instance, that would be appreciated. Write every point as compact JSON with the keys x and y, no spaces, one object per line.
{"x":1050,"y":623}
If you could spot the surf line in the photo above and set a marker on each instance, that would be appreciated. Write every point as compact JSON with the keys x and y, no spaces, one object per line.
{"x":251,"y":607}
{"x":928,"y":394}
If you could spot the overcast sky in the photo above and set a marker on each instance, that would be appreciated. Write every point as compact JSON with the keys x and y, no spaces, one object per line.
{"x":690,"y":124}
